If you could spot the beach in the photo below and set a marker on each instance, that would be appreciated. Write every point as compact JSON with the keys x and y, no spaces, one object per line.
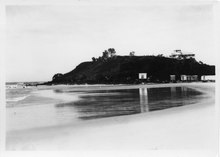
{"x":190,"y":127}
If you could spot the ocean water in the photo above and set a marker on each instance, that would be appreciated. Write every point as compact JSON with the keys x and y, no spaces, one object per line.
{"x":30,"y":108}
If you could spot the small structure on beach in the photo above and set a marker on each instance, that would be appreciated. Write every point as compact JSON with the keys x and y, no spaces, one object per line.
{"x":142,"y":76}
{"x":206,"y":78}
{"x":189,"y":77}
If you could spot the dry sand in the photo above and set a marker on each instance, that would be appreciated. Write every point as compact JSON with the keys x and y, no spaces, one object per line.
{"x":190,"y":127}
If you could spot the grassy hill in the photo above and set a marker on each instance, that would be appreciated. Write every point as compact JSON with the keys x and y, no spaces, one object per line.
{"x":125,"y":69}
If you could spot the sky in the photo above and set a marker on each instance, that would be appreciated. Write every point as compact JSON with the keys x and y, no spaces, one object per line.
{"x":42,"y":40}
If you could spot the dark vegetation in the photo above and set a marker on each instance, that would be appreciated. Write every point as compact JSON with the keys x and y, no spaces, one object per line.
{"x":113,"y":69}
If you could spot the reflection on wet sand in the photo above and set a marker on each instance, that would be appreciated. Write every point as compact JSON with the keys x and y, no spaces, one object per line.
{"x":103,"y":103}
{"x":173,"y":92}
{"x":143,"y":99}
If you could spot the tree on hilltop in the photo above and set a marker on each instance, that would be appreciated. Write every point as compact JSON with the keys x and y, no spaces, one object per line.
{"x":105,"y":55}
{"x":112,"y":52}
{"x":132,"y":53}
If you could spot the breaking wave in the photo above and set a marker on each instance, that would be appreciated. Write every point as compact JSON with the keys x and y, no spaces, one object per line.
{"x":17,"y":98}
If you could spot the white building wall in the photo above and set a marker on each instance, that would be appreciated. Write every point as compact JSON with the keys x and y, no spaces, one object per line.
{"x":142,"y":76}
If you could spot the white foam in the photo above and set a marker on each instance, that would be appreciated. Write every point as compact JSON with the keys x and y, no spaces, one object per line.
{"x":16,"y":99}
{"x":61,"y":96}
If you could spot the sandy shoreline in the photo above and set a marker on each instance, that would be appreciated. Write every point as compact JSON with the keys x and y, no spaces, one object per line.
{"x":123,"y":86}
{"x":187,"y":127}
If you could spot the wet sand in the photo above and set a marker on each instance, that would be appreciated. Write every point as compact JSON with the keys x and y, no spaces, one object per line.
{"x":188,"y":127}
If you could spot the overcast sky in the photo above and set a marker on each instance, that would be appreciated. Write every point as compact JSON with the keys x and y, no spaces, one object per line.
{"x":44,"y":40}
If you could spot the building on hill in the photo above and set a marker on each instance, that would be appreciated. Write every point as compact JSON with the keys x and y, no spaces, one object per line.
{"x":178,"y":54}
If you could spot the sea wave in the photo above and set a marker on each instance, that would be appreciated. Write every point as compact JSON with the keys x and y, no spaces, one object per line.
{"x":16,"y":99}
